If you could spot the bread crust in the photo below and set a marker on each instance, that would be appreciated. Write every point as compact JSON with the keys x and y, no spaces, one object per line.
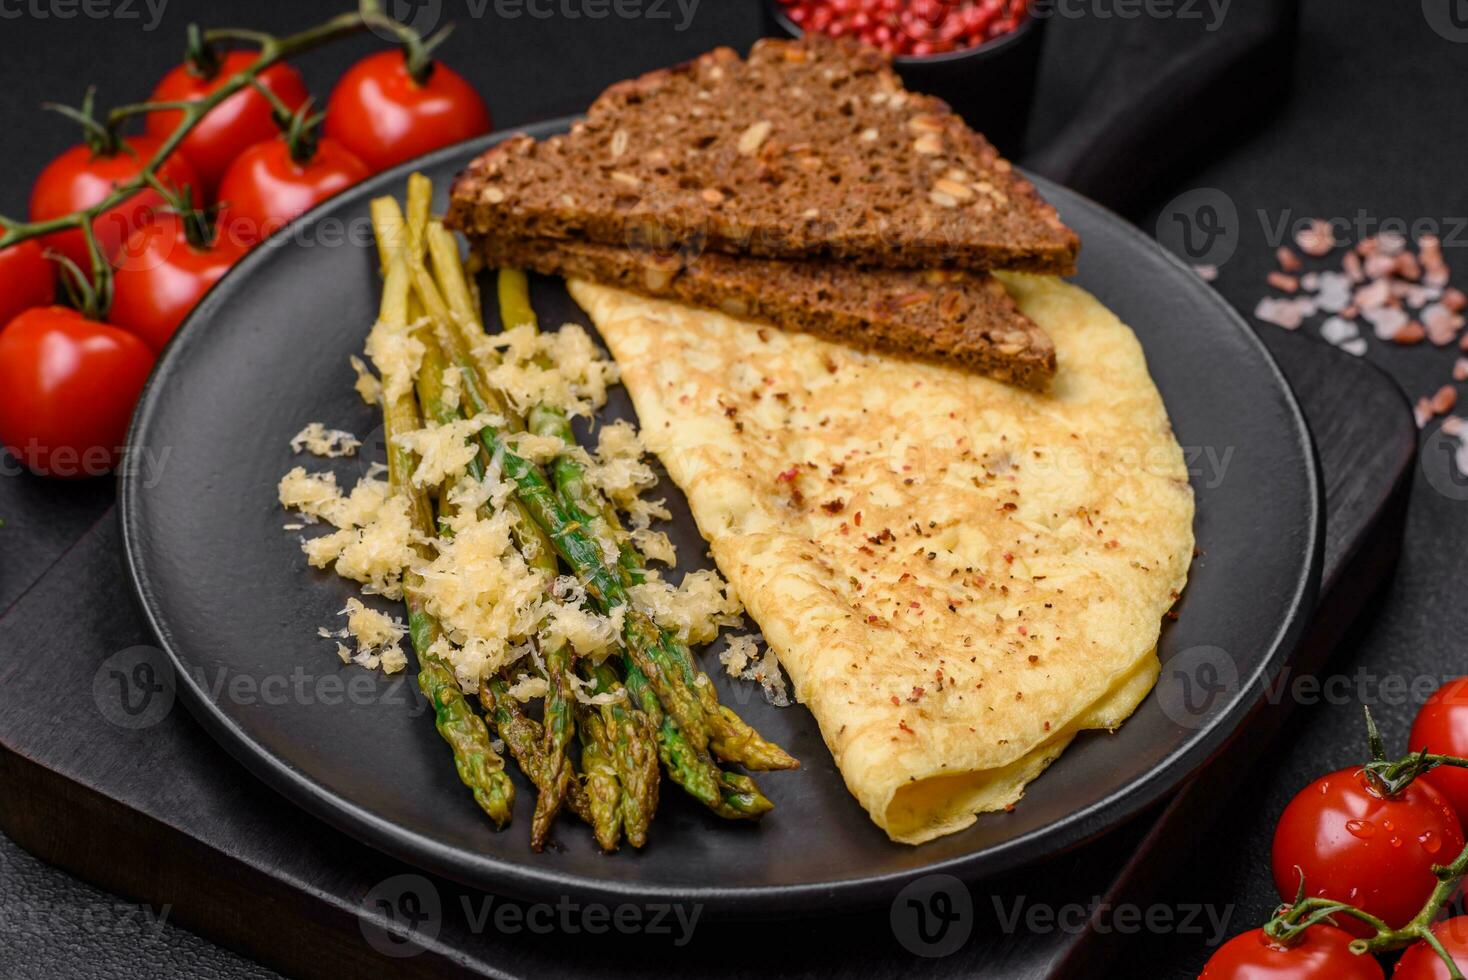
{"x":948,"y":317}
{"x":809,"y":149}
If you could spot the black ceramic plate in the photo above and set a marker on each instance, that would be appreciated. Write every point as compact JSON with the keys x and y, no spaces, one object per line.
{"x":235,"y":606}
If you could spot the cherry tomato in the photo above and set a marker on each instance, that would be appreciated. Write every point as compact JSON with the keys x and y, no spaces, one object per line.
{"x":237,"y":123}
{"x":1322,"y":953}
{"x":379,"y":112}
{"x":265,"y":188}
{"x":1441,"y":727}
{"x":67,"y":390}
{"x":27,"y":279}
{"x":161,"y":275}
{"x":79,"y":178}
{"x":1421,"y":962}
{"x":1357,"y":846}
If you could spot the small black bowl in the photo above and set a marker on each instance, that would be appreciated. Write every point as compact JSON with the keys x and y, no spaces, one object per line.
{"x":992,"y":85}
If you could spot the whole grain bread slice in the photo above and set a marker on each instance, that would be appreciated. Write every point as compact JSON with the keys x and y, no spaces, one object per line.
{"x":809,"y":149}
{"x":948,"y":317}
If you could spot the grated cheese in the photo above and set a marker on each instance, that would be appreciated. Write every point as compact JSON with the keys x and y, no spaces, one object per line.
{"x":444,"y":450}
{"x":378,"y":637}
{"x":655,"y":545}
{"x":396,"y":353}
{"x":567,"y":620}
{"x":694,"y":610}
{"x":321,"y":441}
{"x":579,"y":688}
{"x":367,"y":385}
{"x":742,"y":659}
{"x":527,"y":687}
{"x":563,"y":369}
{"x":619,"y":469}
{"x":537,"y":449}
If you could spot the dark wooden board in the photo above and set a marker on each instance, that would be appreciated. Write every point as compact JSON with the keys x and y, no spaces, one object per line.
{"x":149,"y":806}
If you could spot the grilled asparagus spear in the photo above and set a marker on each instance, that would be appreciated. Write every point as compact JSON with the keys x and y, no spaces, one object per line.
{"x":479,"y":766}
{"x":732,"y":739}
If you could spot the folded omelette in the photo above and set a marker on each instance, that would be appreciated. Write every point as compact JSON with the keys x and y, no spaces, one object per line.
{"x":958,"y":575}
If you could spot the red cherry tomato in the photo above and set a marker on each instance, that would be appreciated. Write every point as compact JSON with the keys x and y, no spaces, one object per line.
{"x":264,"y":189}
{"x":379,"y":112}
{"x":161,"y":275}
{"x":1441,"y":727}
{"x":1322,"y":953}
{"x":78,"y":179}
{"x":27,"y":279}
{"x":1357,"y":846}
{"x":1421,"y":962}
{"x":237,"y":123}
{"x":67,"y":390}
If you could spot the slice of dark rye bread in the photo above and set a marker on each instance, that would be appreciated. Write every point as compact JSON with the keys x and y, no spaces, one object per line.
{"x":949,"y":317}
{"x":811,"y":148}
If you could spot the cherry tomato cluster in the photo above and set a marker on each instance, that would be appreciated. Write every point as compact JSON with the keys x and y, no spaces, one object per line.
{"x":256,"y":161}
{"x":910,"y":27}
{"x":1369,"y":841}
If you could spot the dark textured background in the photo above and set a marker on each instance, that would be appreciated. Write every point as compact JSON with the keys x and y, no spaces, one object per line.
{"x":1374,"y":124}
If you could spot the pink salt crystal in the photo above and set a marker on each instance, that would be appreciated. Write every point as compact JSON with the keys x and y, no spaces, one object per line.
{"x":1391,"y":242}
{"x":1284,"y":283}
{"x":1454,"y":300}
{"x":1207,"y":273}
{"x":1373,"y":295}
{"x":1380,"y":265}
{"x":1287,"y":259}
{"x":1460,"y":369}
{"x":1316,"y":239}
{"x":1440,"y":317}
{"x":1444,"y":400}
{"x":1422,"y":411}
{"x":1280,"y":312}
{"x":1367,"y":247}
{"x":1453,"y":425}
{"x":1356,"y":346}
{"x":1337,"y":331}
{"x":1407,"y":267}
{"x":1351,"y":263}
{"x":1412,"y":333}
{"x":1334,"y":291}
{"x":1386,"y":320}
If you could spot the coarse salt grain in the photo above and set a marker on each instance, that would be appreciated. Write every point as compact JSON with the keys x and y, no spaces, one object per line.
{"x":1316,"y":239}
{"x":1337,"y":331}
{"x":1280,"y":312}
{"x":1385,"y":320}
{"x":1284,"y":283}
{"x":1412,"y":333}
